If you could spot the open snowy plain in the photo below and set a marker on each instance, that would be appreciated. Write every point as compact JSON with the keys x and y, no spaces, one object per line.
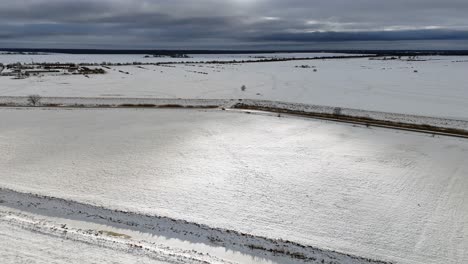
{"x":113,"y":183}
{"x":125,"y":58}
{"x":437,"y":88}
{"x":374,"y":193}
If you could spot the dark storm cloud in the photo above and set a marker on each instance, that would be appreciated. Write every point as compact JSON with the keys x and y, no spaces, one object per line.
{"x":230,"y":23}
{"x":367,"y":36}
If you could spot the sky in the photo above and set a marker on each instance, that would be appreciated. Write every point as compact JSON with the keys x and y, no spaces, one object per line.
{"x":234,"y":24}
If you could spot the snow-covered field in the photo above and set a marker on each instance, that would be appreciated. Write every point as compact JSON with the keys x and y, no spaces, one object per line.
{"x":438,"y":88}
{"x":100,"y":185}
{"x":374,"y":193}
{"x":129,"y":58}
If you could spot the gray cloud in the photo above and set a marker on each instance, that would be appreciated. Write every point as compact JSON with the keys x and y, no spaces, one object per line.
{"x":399,"y":35}
{"x":233,"y":23}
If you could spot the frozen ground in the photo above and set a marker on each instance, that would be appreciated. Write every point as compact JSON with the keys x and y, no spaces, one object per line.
{"x":438,"y":88}
{"x":376,"y":193}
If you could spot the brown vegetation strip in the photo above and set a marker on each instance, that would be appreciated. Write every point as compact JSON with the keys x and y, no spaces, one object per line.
{"x":422,"y":128}
{"x":166,"y":106}
{"x":51,"y":105}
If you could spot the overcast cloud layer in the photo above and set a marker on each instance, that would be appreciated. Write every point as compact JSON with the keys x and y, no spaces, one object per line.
{"x":234,"y":24}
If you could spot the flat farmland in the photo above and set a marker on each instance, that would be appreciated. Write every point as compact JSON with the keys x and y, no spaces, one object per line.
{"x":374,"y":193}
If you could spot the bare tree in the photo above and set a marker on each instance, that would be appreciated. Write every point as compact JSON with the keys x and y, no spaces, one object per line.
{"x":34,"y":99}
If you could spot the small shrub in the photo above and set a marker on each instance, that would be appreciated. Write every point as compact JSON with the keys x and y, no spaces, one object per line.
{"x":337,"y":111}
{"x":243,"y":88}
{"x":34,"y":99}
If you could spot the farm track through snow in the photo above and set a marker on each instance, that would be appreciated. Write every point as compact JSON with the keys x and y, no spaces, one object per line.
{"x":23,"y":233}
{"x":156,"y":225}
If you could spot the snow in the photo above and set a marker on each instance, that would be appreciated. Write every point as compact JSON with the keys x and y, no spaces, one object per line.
{"x":130,"y":58}
{"x":226,"y":186}
{"x":438,"y":89}
{"x":317,"y":109}
{"x":162,"y":236}
{"x":21,"y":246}
{"x":377,"y":193}
{"x":232,"y":105}
{"x":25,"y":238}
